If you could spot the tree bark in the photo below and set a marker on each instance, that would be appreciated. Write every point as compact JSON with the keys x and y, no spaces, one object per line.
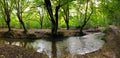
{"x":19,"y":13}
{"x":49,"y":9}
{"x":8,"y":24}
{"x":8,"y":20}
{"x":56,"y":15}
{"x":41,"y":18}
{"x":66,"y":16}
{"x":7,"y":15}
{"x":54,"y":49}
{"x":86,"y":19}
{"x":21,"y":21}
{"x":54,"y":20}
{"x":67,"y":23}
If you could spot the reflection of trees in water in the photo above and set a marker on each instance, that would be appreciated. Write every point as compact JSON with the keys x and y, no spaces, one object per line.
{"x":24,"y":44}
{"x":54,"y":49}
{"x":21,"y":44}
{"x":47,"y":47}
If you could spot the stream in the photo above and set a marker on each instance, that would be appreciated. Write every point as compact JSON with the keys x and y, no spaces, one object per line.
{"x":73,"y":45}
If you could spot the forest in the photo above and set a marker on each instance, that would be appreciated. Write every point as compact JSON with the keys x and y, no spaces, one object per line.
{"x":57,"y":20}
{"x":39,"y":14}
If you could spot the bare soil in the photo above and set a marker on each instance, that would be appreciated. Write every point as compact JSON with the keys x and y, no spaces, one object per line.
{"x":9,"y":51}
{"x":35,"y":33}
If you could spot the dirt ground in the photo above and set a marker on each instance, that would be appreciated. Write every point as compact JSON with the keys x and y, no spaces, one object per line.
{"x":111,"y":48}
{"x":35,"y":33}
{"x":9,"y":51}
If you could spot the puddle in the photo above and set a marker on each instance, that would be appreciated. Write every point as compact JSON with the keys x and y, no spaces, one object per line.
{"x":73,"y":45}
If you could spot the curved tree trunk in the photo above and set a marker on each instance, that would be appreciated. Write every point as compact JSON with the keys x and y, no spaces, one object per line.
{"x":67,"y":23}
{"x":54,"y":30}
{"x":22,"y":23}
{"x":19,"y":10}
{"x":8,"y":24}
{"x":66,"y":15}
{"x":86,"y":19}
{"x":8,"y":20}
{"x":54,"y":18}
{"x":6,"y":13}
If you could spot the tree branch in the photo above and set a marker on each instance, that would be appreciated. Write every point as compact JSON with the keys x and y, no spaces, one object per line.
{"x":90,"y":15}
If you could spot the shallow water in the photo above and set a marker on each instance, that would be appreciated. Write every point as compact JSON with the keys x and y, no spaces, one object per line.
{"x":72,"y":45}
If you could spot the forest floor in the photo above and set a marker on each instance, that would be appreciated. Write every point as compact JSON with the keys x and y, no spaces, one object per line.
{"x":41,"y":33}
{"x":10,"y":51}
{"x":35,"y":33}
{"x":111,"y":48}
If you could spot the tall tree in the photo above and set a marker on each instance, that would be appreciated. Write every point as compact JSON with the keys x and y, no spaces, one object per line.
{"x":66,"y":15}
{"x":7,"y":7}
{"x":86,"y":18}
{"x":41,"y":15}
{"x":39,"y":5}
{"x":54,"y":18}
{"x":20,"y":6}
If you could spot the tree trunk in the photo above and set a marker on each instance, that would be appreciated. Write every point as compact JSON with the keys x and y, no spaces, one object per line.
{"x":54,"y":49}
{"x":56,"y":15}
{"x":54,"y":30}
{"x":55,"y":25}
{"x":8,"y":20}
{"x":81,"y":31}
{"x":67,"y":24}
{"x":21,"y":22}
{"x":66,"y":17}
{"x":7,"y":15}
{"x":19,"y":9}
{"x":53,"y":20}
{"x":41,"y":25}
{"x":8,"y":24}
{"x":41,"y":19}
{"x":85,"y":21}
{"x":41,"y":22}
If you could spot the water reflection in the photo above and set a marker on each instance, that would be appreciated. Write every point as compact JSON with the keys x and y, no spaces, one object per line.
{"x":43,"y":46}
{"x":72,"y":45}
